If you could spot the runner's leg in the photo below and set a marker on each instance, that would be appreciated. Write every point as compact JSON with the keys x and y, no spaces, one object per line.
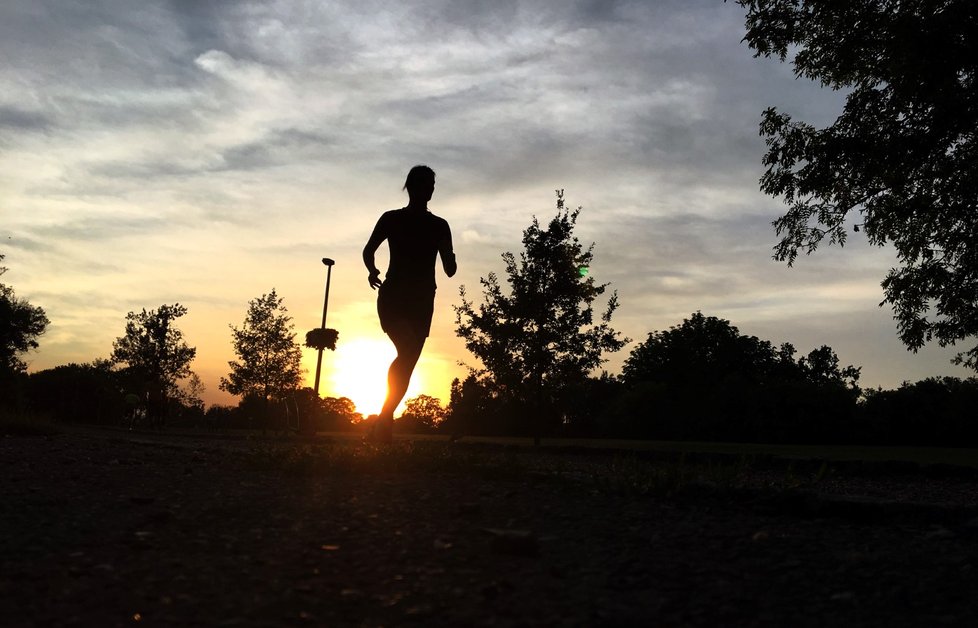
{"x":409,"y":345}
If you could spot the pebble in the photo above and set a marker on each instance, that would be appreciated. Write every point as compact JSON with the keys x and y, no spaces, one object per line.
{"x":940,"y":533}
{"x":513,"y":542}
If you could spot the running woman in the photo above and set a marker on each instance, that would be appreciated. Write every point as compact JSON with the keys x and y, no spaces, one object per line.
{"x":406,"y":296}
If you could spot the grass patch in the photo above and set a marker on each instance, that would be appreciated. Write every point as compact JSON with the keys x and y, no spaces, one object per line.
{"x":311,"y":460}
{"x":926,"y":455}
{"x":870,"y":453}
{"x":23,"y":424}
{"x":622,"y":472}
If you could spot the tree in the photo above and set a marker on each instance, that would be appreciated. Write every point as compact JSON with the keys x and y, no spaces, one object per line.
{"x":934,"y":411}
{"x":340,"y":413}
{"x":78,"y":393}
{"x":703,"y":379}
{"x":474,"y":409}
{"x":154,"y":349}
{"x":702,"y":349}
{"x":540,"y":339}
{"x":421,"y":414}
{"x":20,"y":326}
{"x":822,"y":366}
{"x":191,"y":394}
{"x":902,"y":155}
{"x":269,"y":365}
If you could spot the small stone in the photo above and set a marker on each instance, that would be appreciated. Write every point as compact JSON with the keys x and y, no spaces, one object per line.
{"x":939,"y":532}
{"x":420,"y":610}
{"x":469,"y":508}
{"x":513,"y":542}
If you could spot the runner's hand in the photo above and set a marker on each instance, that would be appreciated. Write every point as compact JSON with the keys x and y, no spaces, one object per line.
{"x":374,"y":279}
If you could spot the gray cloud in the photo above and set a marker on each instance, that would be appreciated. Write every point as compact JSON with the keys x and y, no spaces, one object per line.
{"x":279,"y":147}
{"x":17,"y":119}
{"x":94,"y":228}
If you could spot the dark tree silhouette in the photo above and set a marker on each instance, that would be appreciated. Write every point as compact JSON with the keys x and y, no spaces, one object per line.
{"x":473,"y":409}
{"x":903,"y":155}
{"x":154,"y":349}
{"x":821,"y":366}
{"x":700,"y":350}
{"x":704,"y":379}
{"x":540,"y":339}
{"x":269,"y":358}
{"x":80,"y":393}
{"x":190,"y":394}
{"x":421,"y":414}
{"x":340,"y":413}
{"x":20,"y":326}
{"x":932,"y":411}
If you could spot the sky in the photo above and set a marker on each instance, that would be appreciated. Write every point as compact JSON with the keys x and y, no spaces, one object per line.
{"x":207,"y":152}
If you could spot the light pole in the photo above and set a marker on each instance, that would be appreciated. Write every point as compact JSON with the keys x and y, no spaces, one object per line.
{"x":319,"y":360}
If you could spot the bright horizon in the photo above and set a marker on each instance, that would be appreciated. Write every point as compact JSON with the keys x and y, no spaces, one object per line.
{"x":206,"y":153}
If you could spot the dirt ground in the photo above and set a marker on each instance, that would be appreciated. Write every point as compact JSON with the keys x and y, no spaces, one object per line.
{"x":101,"y":528}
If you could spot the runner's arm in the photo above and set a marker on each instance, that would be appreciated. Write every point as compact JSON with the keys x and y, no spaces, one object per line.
{"x":376,"y":238}
{"x":447,"y":253}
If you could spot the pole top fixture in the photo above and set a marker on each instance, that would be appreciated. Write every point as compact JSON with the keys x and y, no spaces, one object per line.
{"x":328,"y":261}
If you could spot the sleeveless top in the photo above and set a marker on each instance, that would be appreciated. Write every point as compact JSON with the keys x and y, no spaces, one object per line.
{"x":413,"y":237}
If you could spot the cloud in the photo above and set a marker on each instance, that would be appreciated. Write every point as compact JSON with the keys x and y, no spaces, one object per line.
{"x":210,"y":150}
{"x":17,"y":119}
{"x":103,"y":228}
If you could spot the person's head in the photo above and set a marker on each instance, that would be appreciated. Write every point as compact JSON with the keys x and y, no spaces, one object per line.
{"x":420,"y":183}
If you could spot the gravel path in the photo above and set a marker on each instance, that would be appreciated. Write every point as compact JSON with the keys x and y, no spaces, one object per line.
{"x":99,"y":530}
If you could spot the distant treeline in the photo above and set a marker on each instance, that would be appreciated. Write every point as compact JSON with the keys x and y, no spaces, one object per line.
{"x":96,"y":393}
{"x":780,"y":404}
{"x":937,"y":411}
{"x":704,"y":380}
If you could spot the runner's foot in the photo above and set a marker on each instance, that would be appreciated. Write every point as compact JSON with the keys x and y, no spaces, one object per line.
{"x":380,"y":430}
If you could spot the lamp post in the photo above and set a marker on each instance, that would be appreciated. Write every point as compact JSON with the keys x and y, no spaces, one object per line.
{"x":319,"y":360}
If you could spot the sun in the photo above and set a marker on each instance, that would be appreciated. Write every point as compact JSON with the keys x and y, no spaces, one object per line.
{"x":358,"y":370}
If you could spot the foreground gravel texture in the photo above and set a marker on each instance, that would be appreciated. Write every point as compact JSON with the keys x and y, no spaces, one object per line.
{"x":104,"y":529}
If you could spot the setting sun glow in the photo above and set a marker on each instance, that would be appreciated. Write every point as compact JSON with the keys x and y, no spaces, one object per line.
{"x":358,"y":370}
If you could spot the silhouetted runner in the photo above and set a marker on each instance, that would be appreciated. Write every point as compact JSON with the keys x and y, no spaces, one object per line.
{"x":406,"y":298}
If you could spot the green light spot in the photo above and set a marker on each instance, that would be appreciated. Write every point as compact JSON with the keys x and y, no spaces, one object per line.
{"x":582,"y":271}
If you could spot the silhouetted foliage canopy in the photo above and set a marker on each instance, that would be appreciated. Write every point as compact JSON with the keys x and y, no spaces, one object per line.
{"x":932,"y":411}
{"x":340,"y":413}
{"x":704,"y":379}
{"x":903,"y":154}
{"x":540,"y":338}
{"x":269,"y":358}
{"x":317,"y":414}
{"x":705,"y":349}
{"x":421,"y":414}
{"x":77,"y":393}
{"x":190,"y":394}
{"x":154,"y":348}
{"x":20,"y":326}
